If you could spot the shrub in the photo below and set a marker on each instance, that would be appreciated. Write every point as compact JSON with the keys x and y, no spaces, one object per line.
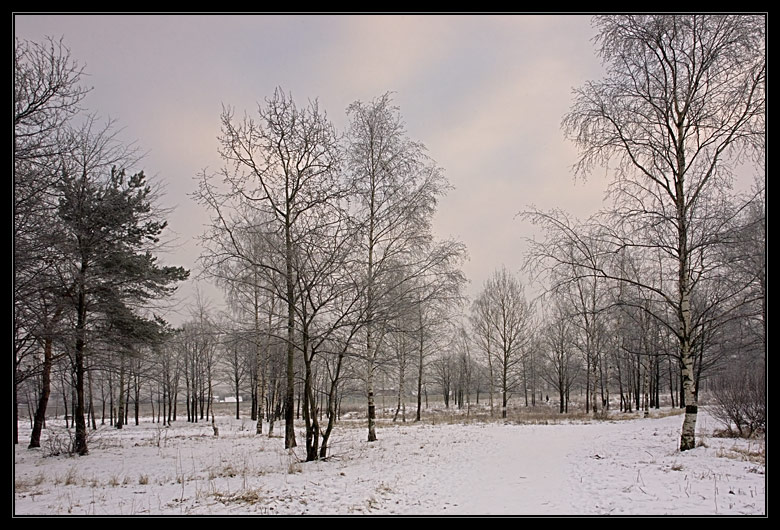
{"x":740,"y":399}
{"x":58,"y":443}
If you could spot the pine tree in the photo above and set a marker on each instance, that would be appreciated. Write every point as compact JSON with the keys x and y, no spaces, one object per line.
{"x":109,"y":227}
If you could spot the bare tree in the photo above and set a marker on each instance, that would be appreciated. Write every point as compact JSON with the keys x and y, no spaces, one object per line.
{"x":165,"y":372}
{"x":465,"y":368}
{"x":198,"y":341}
{"x":739,"y":329}
{"x":437,"y":294}
{"x":236,"y":348}
{"x":682,"y":102}
{"x":401,"y":344}
{"x":743,"y":258}
{"x":483,"y":336}
{"x":47,"y":94}
{"x":396,"y":185}
{"x":558,"y":351}
{"x":285,"y":165}
{"x":503,"y":314}
{"x":241,"y":259}
{"x":443,"y":373}
{"x":329,"y":309}
{"x":585,"y":296}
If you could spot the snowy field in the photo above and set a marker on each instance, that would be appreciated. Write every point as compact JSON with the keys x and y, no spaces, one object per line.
{"x":625,"y":467}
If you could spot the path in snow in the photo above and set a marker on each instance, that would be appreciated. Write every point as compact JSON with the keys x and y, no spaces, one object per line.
{"x":619,"y":467}
{"x":513,"y":470}
{"x":521,"y":473}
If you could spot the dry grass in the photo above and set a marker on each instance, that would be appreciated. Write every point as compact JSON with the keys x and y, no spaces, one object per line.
{"x":29,"y":484}
{"x":246,"y":496}
{"x":754,"y":454}
{"x":733,"y":433}
{"x":541,"y":414}
{"x":68,"y":479}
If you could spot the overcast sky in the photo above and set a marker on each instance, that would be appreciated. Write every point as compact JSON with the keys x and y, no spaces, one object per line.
{"x":485,"y":94}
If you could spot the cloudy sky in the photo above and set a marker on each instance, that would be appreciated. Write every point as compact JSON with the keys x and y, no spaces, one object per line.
{"x":484,"y":93}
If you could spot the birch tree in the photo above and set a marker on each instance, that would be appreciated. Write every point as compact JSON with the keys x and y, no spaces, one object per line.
{"x":682,"y":105}
{"x":482,"y":334}
{"x":329,"y":310}
{"x":241,"y":253}
{"x":396,"y":187}
{"x":558,"y":351}
{"x":236,"y":362}
{"x":503,"y":315}
{"x":437,"y":295}
{"x":284,"y":164}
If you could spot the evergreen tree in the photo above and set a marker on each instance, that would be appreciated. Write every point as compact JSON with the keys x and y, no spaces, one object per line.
{"x":110,"y":225}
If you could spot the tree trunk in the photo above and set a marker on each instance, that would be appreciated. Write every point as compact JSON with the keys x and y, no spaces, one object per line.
{"x":657,"y":382}
{"x":261,"y":355}
{"x":332,"y":406}
{"x":103,"y":403}
{"x":43,"y":400}
{"x":371,"y":406}
{"x":401,"y":402}
{"x":688,"y":439}
{"x":371,"y":354}
{"x":420,"y":378}
{"x":594,"y":378}
{"x":587,"y":383}
{"x":504,"y":388}
{"x":561,"y":395}
{"x":136,"y":396}
{"x":637,"y":385}
{"x":127,"y":402}
{"x":370,"y":347}
{"x":289,"y":414}
{"x":646,"y":392}
{"x":210,"y":396}
{"x":604,"y":377}
{"x":688,"y":436}
{"x":273,"y":405}
{"x":91,"y":399}
{"x":151,"y":403}
{"x":310,"y":405}
{"x":120,"y":420}
{"x":188,"y":388}
{"x":671,"y":383}
{"x":491,"y":379}
{"x":525,"y":383}
{"x":620,"y":386}
{"x":80,"y":438}
{"x":16,"y":412}
{"x":238,"y":404}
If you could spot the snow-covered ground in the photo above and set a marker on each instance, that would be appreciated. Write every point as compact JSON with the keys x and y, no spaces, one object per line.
{"x":595,"y":468}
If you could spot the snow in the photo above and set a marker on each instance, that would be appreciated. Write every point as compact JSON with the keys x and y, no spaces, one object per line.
{"x":449,"y":467}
